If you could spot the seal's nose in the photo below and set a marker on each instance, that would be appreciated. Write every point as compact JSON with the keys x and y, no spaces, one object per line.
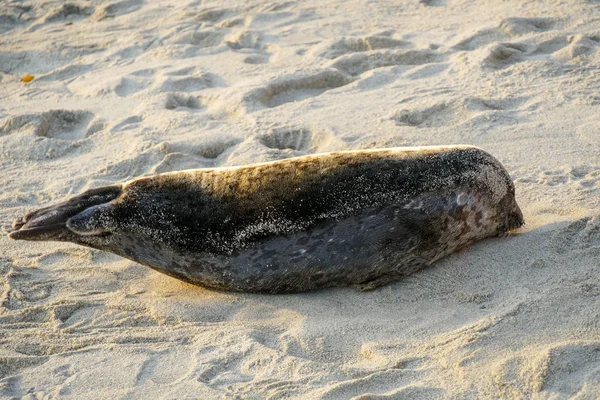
{"x":515,"y":219}
{"x":49,"y":223}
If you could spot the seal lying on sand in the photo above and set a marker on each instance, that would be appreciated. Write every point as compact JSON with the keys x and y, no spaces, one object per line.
{"x":345,"y":218}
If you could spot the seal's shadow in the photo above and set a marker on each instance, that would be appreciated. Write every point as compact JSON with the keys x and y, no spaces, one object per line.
{"x":488,"y":280}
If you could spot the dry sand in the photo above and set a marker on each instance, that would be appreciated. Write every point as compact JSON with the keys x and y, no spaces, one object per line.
{"x":129,"y":88}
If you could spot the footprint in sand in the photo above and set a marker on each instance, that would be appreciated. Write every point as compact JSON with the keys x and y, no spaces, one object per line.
{"x":560,"y":48}
{"x":68,"y":12}
{"x":577,"y":235}
{"x":204,"y":154}
{"x":176,"y":101}
{"x":454,"y":112}
{"x":209,"y":15}
{"x":197,"y":37}
{"x":66,"y":125}
{"x":348,"y":45}
{"x":292,"y":88}
{"x":571,"y":370}
{"x":116,"y":9}
{"x":584,"y":178}
{"x":13,"y":15}
{"x":357,"y":63}
{"x":194,"y":83}
{"x":244,"y":39}
{"x":55,"y":124}
{"x":52,"y":134}
{"x":522,"y":26}
{"x":257,"y":59}
{"x":187,"y":79}
{"x":300,"y":140}
{"x":507,"y":28}
{"x":498,"y":53}
{"x":502,"y":55}
{"x":213,"y":149}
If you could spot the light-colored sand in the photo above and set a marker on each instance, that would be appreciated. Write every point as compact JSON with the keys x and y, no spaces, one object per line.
{"x":128,"y":88}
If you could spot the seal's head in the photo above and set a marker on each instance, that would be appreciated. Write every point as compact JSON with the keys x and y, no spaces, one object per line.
{"x":510,"y":217}
{"x":490,"y":178}
{"x":141,"y":220}
{"x":64,"y":221}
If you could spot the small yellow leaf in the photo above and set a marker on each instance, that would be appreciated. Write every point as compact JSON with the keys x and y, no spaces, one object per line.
{"x":27,"y":78}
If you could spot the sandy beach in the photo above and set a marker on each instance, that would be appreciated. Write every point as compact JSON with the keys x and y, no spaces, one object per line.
{"x":124,"y":89}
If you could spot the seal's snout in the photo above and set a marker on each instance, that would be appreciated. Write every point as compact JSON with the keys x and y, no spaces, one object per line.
{"x":515,"y":219}
{"x":510,"y":215}
{"x":50,"y":223}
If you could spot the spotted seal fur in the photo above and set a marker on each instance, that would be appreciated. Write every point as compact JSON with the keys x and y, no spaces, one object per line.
{"x":361,"y":218}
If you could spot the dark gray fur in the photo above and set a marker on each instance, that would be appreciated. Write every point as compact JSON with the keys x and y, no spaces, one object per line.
{"x":348,"y":218}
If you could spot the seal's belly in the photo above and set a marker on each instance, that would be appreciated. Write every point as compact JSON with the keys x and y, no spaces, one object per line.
{"x":388,"y":241}
{"x":352,"y":250}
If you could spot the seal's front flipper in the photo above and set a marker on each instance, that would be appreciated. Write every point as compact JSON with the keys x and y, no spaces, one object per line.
{"x":50,"y":223}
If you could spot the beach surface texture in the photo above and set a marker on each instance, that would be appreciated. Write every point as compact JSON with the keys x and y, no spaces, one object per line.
{"x":94,"y":93}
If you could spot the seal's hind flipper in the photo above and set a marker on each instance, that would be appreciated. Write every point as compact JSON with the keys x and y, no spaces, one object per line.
{"x":50,"y":223}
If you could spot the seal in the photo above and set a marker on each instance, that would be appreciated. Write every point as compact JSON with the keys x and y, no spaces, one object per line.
{"x":362,"y":218}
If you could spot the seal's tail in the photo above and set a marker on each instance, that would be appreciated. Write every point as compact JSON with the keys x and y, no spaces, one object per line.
{"x":50,"y":223}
